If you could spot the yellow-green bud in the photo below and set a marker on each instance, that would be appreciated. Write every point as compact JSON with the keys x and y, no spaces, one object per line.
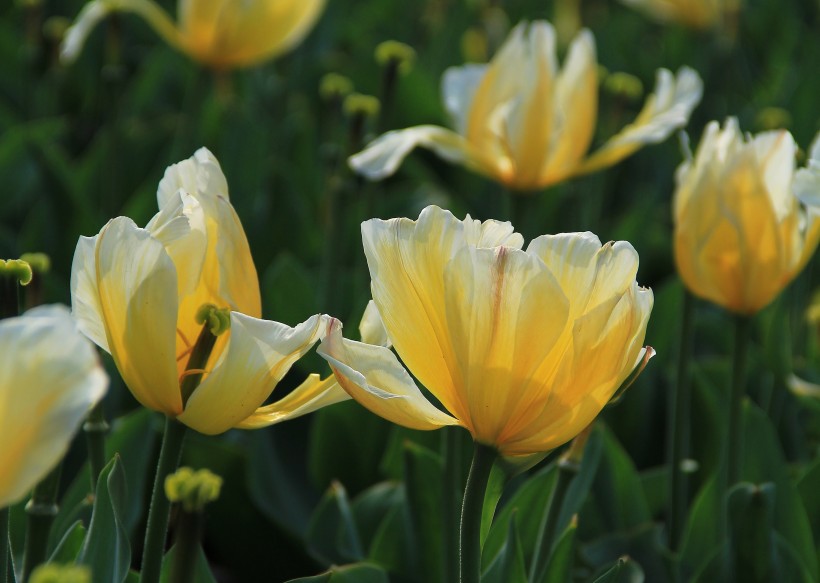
{"x":40,"y":262}
{"x":359,"y":104}
{"x":392,"y":51}
{"x":624,"y":84}
{"x":193,"y":489}
{"x":17,"y":269}
{"x":54,"y":573}
{"x":334,"y":85}
{"x":218,"y":320}
{"x":474,"y":45}
{"x":773,"y":118}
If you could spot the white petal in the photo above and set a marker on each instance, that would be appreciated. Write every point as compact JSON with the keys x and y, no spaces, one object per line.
{"x":85,"y":297}
{"x":199,"y":174}
{"x":371,"y":328}
{"x":458,"y":85}
{"x":76,"y":35}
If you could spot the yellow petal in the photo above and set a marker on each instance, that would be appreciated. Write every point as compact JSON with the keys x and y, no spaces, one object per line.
{"x":85,"y":297}
{"x":666,"y":110}
{"x":371,"y":328}
{"x":313,"y":394}
{"x":50,"y":377}
{"x":258,"y":354}
{"x":458,"y":86}
{"x":373,"y":376}
{"x":137,"y":286}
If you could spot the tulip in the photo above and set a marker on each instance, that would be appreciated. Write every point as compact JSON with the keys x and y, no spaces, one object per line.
{"x":741,"y":231}
{"x":522,"y":348}
{"x":692,"y":13}
{"x":522,"y":122}
{"x":50,"y":377}
{"x":139,"y":292}
{"x":223,"y":34}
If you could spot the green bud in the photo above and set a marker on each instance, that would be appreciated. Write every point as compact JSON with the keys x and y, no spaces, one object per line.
{"x":40,"y":262}
{"x":334,"y":85}
{"x":16,"y":269}
{"x":624,"y":85}
{"x":193,"y":489}
{"x":218,"y":320}
{"x":358,"y":104}
{"x":392,"y":51}
{"x":54,"y":573}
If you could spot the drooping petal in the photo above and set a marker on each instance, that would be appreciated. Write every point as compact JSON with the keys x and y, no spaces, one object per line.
{"x":373,"y":376}
{"x":85,"y":297}
{"x":382,"y":157}
{"x":313,"y":394}
{"x":458,"y":85}
{"x":666,"y":110}
{"x":137,"y":287}
{"x":50,"y":377}
{"x":258,"y":354}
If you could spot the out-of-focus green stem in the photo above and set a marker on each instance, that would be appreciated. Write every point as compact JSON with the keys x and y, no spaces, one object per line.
{"x":735,"y":444}
{"x":484,"y":457}
{"x":681,"y":426}
{"x":189,"y":528}
{"x":95,"y":428}
{"x":41,"y":511}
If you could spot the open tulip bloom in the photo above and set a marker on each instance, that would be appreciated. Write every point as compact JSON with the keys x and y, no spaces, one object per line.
{"x":50,"y":377}
{"x":746,"y":222}
{"x":523,"y":348}
{"x":528,"y":125}
{"x":137,"y":291}
{"x":220,"y":33}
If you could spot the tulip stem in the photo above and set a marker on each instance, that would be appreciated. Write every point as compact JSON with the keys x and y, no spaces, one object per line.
{"x":188,"y":533}
{"x":41,"y":511}
{"x":159,"y":511}
{"x":742,"y":325}
{"x":453,"y":478}
{"x":95,"y":428}
{"x":681,"y":426}
{"x":470,"y":552}
{"x":4,"y":545}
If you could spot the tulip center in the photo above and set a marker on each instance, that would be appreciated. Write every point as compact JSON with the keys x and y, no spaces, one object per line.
{"x":215,"y":321}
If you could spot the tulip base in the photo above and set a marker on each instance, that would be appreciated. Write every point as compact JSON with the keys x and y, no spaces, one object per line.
{"x":484,"y":457}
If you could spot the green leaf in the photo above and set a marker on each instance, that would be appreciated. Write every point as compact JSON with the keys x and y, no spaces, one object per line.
{"x":425,"y":503}
{"x":508,"y":565}
{"x":107,"y":551}
{"x":202,"y":570}
{"x":358,"y":573}
{"x":625,"y":570}
{"x":751,"y":528}
{"x":332,"y":534}
{"x":562,"y":559}
{"x":68,"y":549}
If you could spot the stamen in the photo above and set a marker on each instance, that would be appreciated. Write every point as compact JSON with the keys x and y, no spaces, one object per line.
{"x":192,"y":371}
{"x":184,"y":339}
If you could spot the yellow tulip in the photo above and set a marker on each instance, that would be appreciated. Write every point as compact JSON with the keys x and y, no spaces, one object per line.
{"x":524,"y":123}
{"x":741,"y":231}
{"x":50,"y":378}
{"x":693,"y":13}
{"x":136,"y":293}
{"x":522,"y":348}
{"x":220,"y":33}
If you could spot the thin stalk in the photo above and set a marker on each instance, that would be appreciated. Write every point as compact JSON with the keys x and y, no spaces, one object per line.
{"x":95,"y":428}
{"x":470,"y":552}
{"x":4,"y":545}
{"x":680,"y":415}
{"x":547,"y":531}
{"x":189,"y":529}
{"x":735,"y":451}
{"x":41,"y":511}
{"x":159,"y":511}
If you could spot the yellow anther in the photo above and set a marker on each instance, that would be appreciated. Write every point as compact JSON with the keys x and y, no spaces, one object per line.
{"x":40,"y":263}
{"x":333,"y":86}
{"x":392,"y":51}
{"x":359,"y":104}
{"x":194,"y":489}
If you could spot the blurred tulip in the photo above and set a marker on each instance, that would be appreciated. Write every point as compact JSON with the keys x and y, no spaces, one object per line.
{"x":138,"y":294}
{"x":522,"y":348}
{"x":742,"y":232}
{"x":50,"y":377}
{"x":220,"y":33}
{"x":693,"y":13}
{"x":524,"y":123}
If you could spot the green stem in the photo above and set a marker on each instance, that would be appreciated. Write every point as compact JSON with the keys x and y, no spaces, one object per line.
{"x":742,"y":329}
{"x":41,"y":511}
{"x":681,"y":426}
{"x":4,"y":545}
{"x":567,"y":470}
{"x":470,"y":552}
{"x":452,"y":500}
{"x":189,"y":529}
{"x":95,"y":428}
{"x":158,"y":513}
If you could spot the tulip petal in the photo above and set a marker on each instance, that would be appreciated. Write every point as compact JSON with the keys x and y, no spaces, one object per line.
{"x":373,"y":376}
{"x":50,"y":377}
{"x":371,"y":328}
{"x":807,"y":180}
{"x":137,"y":289}
{"x":85,"y":297}
{"x":200,"y":175}
{"x":313,"y":394}
{"x":382,"y":157}
{"x":258,"y":354}
{"x":666,"y":110}
{"x":458,"y":86}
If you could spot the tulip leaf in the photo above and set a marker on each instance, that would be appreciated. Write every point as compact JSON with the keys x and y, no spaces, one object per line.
{"x":508,"y":565}
{"x":332,"y":534}
{"x":425,"y":503}
{"x":70,"y":545}
{"x":202,"y":571}
{"x":372,"y":506}
{"x":358,"y":573}
{"x":751,"y":531}
{"x":495,"y":487}
{"x":625,"y":570}
{"x":391,"y":546}
{"x":808,"y":486}
{"x":107,"y":550}
{"x":562,"y":560}
{"x":644,"y":543}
